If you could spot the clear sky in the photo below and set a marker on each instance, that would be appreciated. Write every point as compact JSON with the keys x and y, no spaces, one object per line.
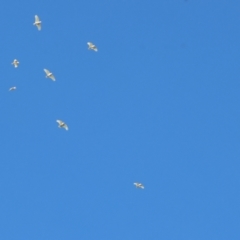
{"x":157,"y":104}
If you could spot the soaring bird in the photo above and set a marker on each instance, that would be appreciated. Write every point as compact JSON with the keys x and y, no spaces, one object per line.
{"x":91,"y":46}
{"x":49,"y":74}
{"x":15,"y":63}
{"x":37,"y":22}
{"x":12,"y":88}
{"x":139,"y":185}
{"x":62,"y":124}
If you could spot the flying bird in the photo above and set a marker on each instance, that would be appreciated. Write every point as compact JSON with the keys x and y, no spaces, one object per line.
{"x":15,"y":63}
{"x":62,"y":124}
{"x":139,"y":185}
{"x":37,"y":22}
{"x":12,"y":88}
{"x":91,"y":46}
{"x":49,"y":74}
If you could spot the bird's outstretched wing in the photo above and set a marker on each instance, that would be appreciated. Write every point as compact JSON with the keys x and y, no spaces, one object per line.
{"x":65,"y":126}
{"x":37,"y":18}
{"x":89,"y":44}
{"x":46,"y":71}
{"x":12,"y":88}
{"x":52,"y":77}
{"x":59,"y":122}
{"x":95,"y":49}
{"x":39,"y":26}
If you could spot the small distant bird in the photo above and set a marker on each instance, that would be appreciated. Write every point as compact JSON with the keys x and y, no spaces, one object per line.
{"x":62,"y":124}
{"x":49,"y":74}
{"x":37,"y":22}
{"x":139,"y":185}
{"x":15,"y":63}
{"x":12,"y":88}
{"x":91,"y":46}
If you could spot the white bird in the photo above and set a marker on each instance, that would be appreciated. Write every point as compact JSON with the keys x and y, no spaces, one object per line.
{"x":139,"y":185}
{"x":91,"y":46}
{"x":12,"y":88}
{"x":15,"y":63}
{"x":49,"y":74}
{"x":62,"y":124}
{"x":37,"y":22}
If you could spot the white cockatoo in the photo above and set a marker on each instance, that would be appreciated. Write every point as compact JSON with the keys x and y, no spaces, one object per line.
{"x":15,"y":63}
{"x":37,"y":22}
{"x":49,"y":74}
{"x":62,"y":124}
{"x":12,"y":88}
{"x":139,"y":185}
{"x":91,"y":46}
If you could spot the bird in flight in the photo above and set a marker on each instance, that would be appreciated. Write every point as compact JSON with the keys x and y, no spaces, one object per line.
{"x":15,"y":63}
{"x":91,"y":46}
{"x":37,"y":22}
{"x":62,"y":124}
{"x":139,"y":185}
{"x":12,"y":88}
{"x":49,"y":74}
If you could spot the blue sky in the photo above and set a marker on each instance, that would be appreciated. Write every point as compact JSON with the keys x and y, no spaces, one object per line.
{"x":158,"y":104}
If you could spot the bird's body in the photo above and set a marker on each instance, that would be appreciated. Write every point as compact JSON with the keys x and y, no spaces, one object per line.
{"x":62,"y":124}
{"x":49,"y":74}
{"x":91,"y":46}
{"x":139,"y":185}
{"x":15,"y":63}
{"x":12,"y":88}
{"x":37,"y":22}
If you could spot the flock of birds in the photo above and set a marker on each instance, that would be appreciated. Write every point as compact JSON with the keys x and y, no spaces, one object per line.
{"x":50,"y":75}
